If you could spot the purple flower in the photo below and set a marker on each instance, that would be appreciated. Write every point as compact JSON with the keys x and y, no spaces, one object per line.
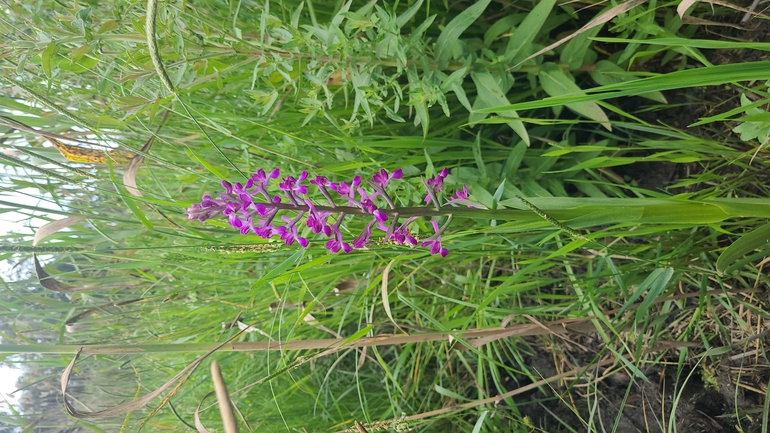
{"x":289,"y":233}
{"x":266,"y":231}
{"x":345,"y":189}
{"x":293,"y":187}
{"x":247,"y":225}
{"x":320,"y":180}
{"x":436,"y":183}
{"x":336,"y":244}
{"x":402,"y":236}
{"x":363,"y":239}
{"x":367,"y":205}
{"x":434,"y":242}
{"x":227,"y":186}
{"x":230,"y":208}
{"x":235,"y":221}
{"x":246,"y":200}
{"x":238,"y":189}
{"x":208,"y":208}
{"x":461,"y":194}
{"x":261,"y":178}
{"x":316,"y":221}
{"x":382,"y":178}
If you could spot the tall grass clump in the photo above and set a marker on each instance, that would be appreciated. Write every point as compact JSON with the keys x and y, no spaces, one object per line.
{"x":363,"y":216}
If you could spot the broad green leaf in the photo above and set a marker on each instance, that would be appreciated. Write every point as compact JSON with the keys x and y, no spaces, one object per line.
{"x":606,"y":72}
{"x":501,"y":26}
{"x":454,"y":29}
{"x":751,"y":241}
{"x":461,"y":96}
{"x":556,"y":82}
{"x":79,"y":52}
{"x":523,"y":36}
{"x":597,"y":21}
{"x":406,"y":16}
{"x":755,"y":125}
{"x":491,"y":95}
{"x":49,"y":52}
{"x":575,"y":50}
{"x":107,"y":26}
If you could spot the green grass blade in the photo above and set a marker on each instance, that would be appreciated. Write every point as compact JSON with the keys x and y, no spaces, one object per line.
{"x":756,"y":238}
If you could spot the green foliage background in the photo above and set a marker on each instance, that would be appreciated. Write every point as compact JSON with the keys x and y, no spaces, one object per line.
{"x":343,"y":89}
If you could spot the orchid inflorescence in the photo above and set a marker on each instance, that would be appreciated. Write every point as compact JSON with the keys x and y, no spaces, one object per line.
{"x":251,"y":207}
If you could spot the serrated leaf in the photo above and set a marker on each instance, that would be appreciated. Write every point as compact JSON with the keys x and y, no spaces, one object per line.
{"x":455,"y":29}
{"x":556,"y":82}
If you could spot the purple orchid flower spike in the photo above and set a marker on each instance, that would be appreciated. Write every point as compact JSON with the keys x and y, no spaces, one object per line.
{"x":253,"y":208}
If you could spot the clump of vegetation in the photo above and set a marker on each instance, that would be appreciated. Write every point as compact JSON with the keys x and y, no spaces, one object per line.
{"x":605,"y":201}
